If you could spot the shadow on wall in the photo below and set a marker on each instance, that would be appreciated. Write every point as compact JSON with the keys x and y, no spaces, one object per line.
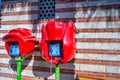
{"x":43,"y":69}
{"x":40,"y":67}
{"x":90,"y":11}
{"x":25,"y":63}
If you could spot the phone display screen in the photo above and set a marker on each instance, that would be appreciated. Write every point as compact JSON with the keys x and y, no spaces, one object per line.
{"x":55,"y":49}
{"x":14,"y":49}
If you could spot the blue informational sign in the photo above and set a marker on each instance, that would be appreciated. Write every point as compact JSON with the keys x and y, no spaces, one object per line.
{"x":55,"y":49}
{"x":14,"y":49}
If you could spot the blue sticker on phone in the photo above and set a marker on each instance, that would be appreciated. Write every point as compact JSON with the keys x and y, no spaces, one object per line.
{"x":14,"y":49}
{"x":54,"y":49}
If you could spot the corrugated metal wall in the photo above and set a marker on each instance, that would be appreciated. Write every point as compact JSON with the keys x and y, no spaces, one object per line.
{"x":97,"y":38}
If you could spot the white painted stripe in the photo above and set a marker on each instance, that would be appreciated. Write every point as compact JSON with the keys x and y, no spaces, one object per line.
{"x":5,"y":78}
{"x":28,"y":26}
{"x":98,"y":35}
{"x":65,"y":15}
{"x":19,"y":17}
{"x":37,"y":35}
{"x":25,"y":72}
{"x":17,"y":2}
{"x":106,"y":46}
{"x":97,"y":24}
{"x":88,"y":13}
{"x":78,"y":35}
{"x":96,"y":68}
{"x":3,"y":51}
{"x":2,"y":34}
{"x":110,"y":69}
{"x":97,"y":13}
{"x":2,"y":43}
{"x":20,"y":9}
{"x":88,"y":67}
{"x":5,"y":60}
{"x":91,"y":35}
{"x":98,"y":56}
{"x":85,"y":4}
{"x":100,"y":68}
{"x":7,"y":70}
{"x":77,"y":25}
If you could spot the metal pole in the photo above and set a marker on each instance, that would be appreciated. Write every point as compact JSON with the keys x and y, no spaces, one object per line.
{"x":57,"y":72}
{"x":19,"y":67}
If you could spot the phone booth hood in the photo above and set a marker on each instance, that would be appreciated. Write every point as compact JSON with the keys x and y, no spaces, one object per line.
{"x":23,"y":38}
{"x":62,"y":35}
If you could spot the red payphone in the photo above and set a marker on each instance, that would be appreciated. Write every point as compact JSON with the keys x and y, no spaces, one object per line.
{"x":58,"y":43}
{"x":19,"y":44}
